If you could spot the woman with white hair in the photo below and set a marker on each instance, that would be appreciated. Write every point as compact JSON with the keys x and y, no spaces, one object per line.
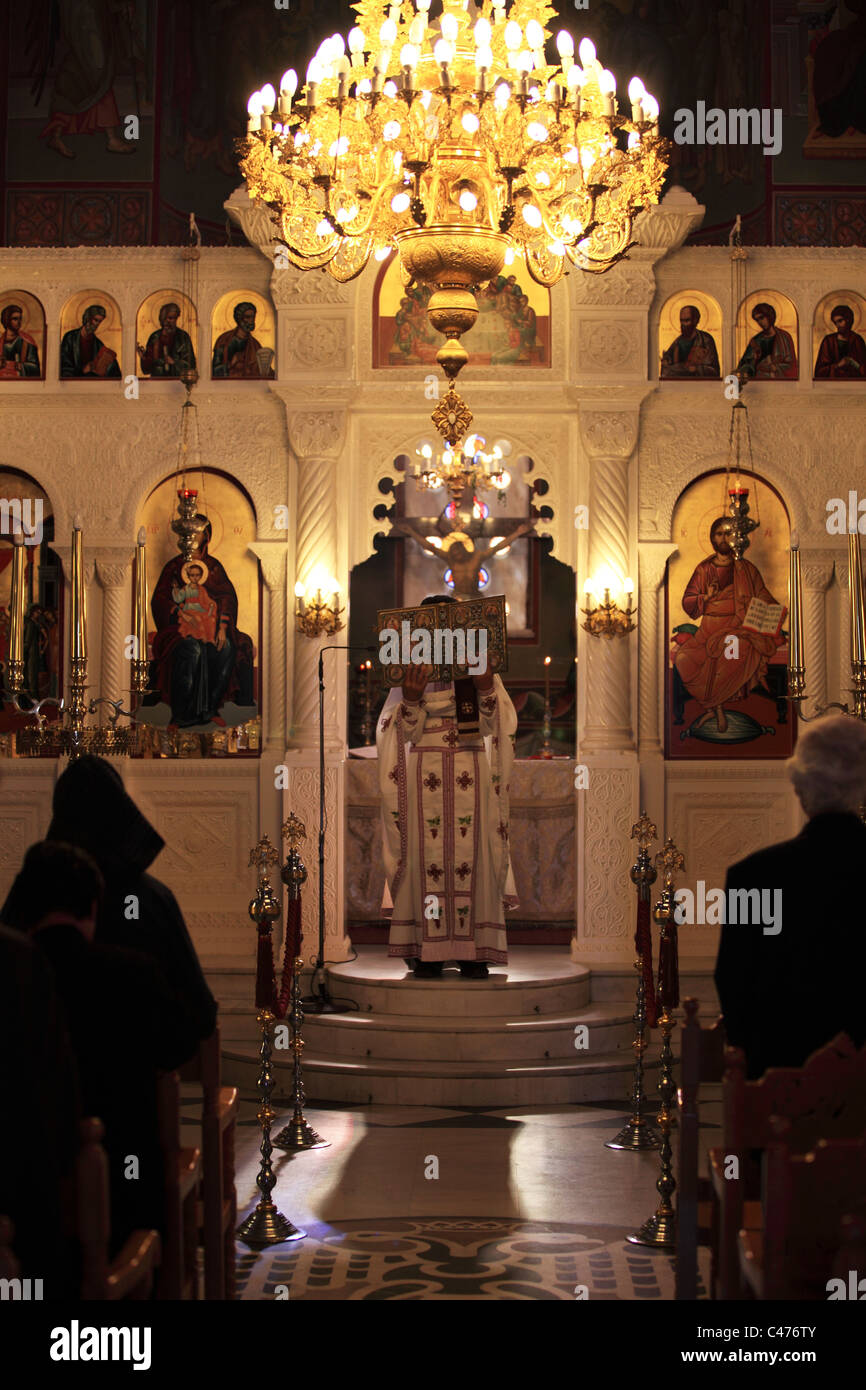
{"x":789,"y":990}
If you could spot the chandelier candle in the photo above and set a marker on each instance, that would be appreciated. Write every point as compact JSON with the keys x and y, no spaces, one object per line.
{"x":77,"y":636}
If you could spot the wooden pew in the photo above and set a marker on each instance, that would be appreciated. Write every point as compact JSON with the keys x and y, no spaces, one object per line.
{"x":178,"y":1276}
{"x":826,"y":1098}
{"x":219,"y":1208}
{"x":702,"y":1061}
{"x":807,"y":1202}
{"x":130,"y":1274}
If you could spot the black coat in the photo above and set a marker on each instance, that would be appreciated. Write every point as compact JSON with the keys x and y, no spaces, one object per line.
{"x":125,"y":1025}
{"x":93,"y":811}
{"x":785,"y":995}
{"x":40,"y":1113}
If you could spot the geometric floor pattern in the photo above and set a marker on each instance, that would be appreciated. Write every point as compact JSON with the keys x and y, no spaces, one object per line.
{"x":468,"y":1258}
{"x":528,"y":1205}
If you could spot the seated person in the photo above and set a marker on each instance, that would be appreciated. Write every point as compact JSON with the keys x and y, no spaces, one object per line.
{"x":93,"y":810}
{"x":125,"y":1023}
{"x":787,"y":993}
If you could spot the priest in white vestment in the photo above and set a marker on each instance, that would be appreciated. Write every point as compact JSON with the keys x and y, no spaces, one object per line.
{"x":445,"y":824}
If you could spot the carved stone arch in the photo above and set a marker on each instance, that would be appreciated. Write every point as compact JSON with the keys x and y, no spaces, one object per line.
{"x":680,"y":476}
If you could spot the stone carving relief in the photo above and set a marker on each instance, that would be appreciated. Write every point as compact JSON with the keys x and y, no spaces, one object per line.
{"x":316,"y":433}
{"x":607,"y":851}
{"x":317,"y":342}
{"x":609,"y":434}
{"x":605,"y":345}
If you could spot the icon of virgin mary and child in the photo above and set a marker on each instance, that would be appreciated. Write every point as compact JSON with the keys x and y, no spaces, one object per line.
{"x":202,"y":664}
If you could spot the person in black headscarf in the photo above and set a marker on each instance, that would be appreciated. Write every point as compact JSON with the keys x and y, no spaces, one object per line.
{"x":125,"y":1021}
{"x":93,"y":811}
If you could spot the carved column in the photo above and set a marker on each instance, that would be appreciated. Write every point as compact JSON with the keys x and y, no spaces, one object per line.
{"x":272,"y":557}
{"x":816,"y":578}
{"x":609,"y":438}
{"x":316,"y":437}
{"x":608,"y":807}
{"x":115,"y":581}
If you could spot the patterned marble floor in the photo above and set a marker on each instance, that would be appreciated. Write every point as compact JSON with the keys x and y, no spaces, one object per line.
{"x":424,"y":1204}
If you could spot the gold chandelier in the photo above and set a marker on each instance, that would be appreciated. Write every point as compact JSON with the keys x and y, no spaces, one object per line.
{"x":459,"y":145}
{"x":457,"y":469}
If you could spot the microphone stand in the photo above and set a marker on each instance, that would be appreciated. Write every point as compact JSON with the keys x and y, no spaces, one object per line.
{"x":320,"y":1000}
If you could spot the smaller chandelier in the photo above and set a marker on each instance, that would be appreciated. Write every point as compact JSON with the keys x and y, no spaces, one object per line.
{"x":313,"y":614}
{"x":466,"y":466}
{"x":607,"y":619}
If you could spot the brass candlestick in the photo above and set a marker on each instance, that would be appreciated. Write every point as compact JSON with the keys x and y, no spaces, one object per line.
{"x":298,"y":1134}
{"x":660,"y":1230}
{"x":638,"y":1134}
{"x":266,"y":1225}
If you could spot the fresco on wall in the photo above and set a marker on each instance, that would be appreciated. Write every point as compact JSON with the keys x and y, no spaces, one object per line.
{"x":203,"y":629}
{"x":690,"y":335}
{"x":22,"y":319}
{"x":165,"y":334}
{"x":90,"y":339}
{"x":512,"y":328}
{"x":243,"y":338}
{"x":838,"y":337}
{"x":767,"y":338}
{"x":726,"y":676}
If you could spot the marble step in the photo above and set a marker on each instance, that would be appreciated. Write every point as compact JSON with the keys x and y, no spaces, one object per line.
{"x":536,"y":981}
{"x":604,"y":1077}
{"x":420,"y":1036}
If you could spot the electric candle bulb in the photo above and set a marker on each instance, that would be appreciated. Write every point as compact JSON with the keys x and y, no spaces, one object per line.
{"x":795,"y":540}
{"x":482,"y":32}
{"x":408,"y":56}
{"x":390,"y":88}
{"x":484,"y":59}
{"x":254,"y":110}
{"x":381,"y":253}
{"x":564,"y":44}
{"x":400,"y":202}
{"x":314,"y":71}
{"x":388,"y":33}
{"x":469,"y":122}
{"x":288,"y":87}
{"x":422,"y":6}
{"x":513,"y":36}
{"x":628,"y":585}
{"x":650,"y":108}
{"x":417,"y":30}
{"x":586,"y":52}
{"x":503,"y":92}
{"x":532,"y":215}
{"x":391,"y":130}
{"x":534,"y":34}
{"x":448,"y":25}
{"x":536,"y":131}
{"x":524,"y":61}
{"x":299,"y":590}
{"x":357,"y":41}
{"x":468,"y":201}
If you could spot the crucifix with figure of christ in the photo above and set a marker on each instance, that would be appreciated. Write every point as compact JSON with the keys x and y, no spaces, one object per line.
{"x":464,"y":554}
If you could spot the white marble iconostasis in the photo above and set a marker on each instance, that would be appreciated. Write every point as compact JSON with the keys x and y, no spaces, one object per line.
{"x":602,"y":431}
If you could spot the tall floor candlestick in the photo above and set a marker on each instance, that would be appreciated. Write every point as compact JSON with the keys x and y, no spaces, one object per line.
{"x":139,"y":662}
{"x":546,"y":750}
{"x":15,"y":664}
{"x":858,"y":626}
{"x":796,"y":669}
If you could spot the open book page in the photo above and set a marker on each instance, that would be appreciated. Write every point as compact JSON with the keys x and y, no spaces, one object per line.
{"x":765,"y":618}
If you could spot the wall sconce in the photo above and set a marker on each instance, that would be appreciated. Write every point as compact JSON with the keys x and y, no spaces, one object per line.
{"x":607,"y":619}
{"x":313,"y":615}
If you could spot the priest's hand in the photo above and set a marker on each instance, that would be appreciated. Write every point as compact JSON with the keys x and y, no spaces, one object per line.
{"x":414,"y":682}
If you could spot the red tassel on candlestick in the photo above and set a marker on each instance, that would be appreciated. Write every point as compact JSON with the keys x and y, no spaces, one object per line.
{"x":266,"y":990}
{"x":643,"y":941}
{"x":669,"y":973}
{"x":293,"y":950}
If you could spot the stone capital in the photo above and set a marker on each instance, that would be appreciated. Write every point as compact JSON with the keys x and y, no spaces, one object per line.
{"x":317,"y":434}
{"x":272,"y":557}
{"x":609,"y":434}
{"x":113,"y":568}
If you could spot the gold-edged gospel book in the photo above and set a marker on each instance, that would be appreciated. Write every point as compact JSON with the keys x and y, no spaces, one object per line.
{"x":461,"y":639}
